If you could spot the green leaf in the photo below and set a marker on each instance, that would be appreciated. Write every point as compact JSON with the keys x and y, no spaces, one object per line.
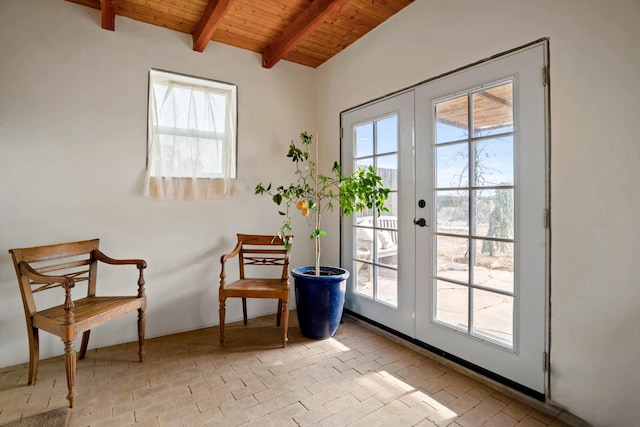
{"x":361,"y":190}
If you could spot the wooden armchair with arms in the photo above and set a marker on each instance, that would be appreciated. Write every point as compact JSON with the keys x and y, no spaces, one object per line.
{"x":72,"y":262}
{"x":257,"y":251}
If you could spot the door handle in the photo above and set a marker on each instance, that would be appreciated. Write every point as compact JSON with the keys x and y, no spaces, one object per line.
{"x":420,"y":221}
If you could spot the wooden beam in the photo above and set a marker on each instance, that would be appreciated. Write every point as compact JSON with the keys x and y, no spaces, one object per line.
{"x":108,"y":8}
{"x":209,"y":22}
{"x":306,"y":22}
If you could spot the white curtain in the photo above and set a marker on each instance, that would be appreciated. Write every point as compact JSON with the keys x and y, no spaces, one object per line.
{"x":191,"y":138}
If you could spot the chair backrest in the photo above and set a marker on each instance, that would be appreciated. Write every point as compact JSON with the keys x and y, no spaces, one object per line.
{"x":260,"y":250}
{"x":386,"y":224}
{"x":390,"y":224}
{"x":72,"y":260}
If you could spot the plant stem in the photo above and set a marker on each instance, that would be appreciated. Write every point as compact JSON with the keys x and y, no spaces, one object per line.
{"x":317,"y":242}
{"x":317,"y":201}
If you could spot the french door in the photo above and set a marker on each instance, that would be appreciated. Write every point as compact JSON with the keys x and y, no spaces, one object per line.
{"x":481,"y":269}
{"x":382,"y":283}
{"x":463,"y":246}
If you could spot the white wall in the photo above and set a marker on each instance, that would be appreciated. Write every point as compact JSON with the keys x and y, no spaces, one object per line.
{"x":72,"y":159}
{"x":595,"y":104}
{"x":72,"y":150}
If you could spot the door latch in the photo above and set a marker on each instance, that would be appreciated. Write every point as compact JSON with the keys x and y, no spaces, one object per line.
{"x":420,"y":221}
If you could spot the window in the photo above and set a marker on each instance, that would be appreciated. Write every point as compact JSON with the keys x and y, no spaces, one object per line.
{"x":191,"y":138}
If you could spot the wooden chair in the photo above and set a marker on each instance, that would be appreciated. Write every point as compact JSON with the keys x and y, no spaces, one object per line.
{"x":257,"y":251}
{"x":73,"y":262}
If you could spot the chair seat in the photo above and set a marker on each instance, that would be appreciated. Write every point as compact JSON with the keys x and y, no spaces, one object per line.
{"x":256,"y":288}
{"x":88,"y":312}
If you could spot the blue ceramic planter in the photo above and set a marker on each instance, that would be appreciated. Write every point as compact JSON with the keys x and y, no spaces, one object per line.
{"x":319,"y":300}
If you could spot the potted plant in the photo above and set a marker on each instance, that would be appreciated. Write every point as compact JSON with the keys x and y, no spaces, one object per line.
{"x":320,"y":290}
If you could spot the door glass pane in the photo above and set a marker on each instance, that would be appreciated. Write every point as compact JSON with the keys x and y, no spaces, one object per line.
{"x":365,"y":239}
{"x":493,"y":267}
{"x":387,"y":289}
{"x":363,"y":236}
{"x":452,"y":212}
{"x":493,"y":161}
{"x":493,"y":110}
{"x":387,"y":135}
{"x":387,"y":167}
{"x":452,"y":258}
{"x":494,"y":213}
{"x":452,"y":304}
{"x":387,"y":240}
{"x":364,"y":163}
{"x":392,"y":205}
{"x":364,"y":140}
{"x":364,"y":284}
{"x":493,"y":316}
{"x":452,"y":120}
{"x":452,"y":165}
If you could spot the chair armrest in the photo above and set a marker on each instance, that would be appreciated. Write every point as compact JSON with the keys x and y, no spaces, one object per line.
{"x":231,"y":254}
{"x":65,"y":282}
{"x":140,"y":263}
{"x":38,"y":278}
{"x":224,"y":259}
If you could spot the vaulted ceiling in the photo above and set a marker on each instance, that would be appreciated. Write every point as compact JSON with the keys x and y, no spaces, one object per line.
{"x":308,"y":32}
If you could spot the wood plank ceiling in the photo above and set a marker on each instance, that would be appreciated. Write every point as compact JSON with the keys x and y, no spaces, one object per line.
{"x":308,"y":32}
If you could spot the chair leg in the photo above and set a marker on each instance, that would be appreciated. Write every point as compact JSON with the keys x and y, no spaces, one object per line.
{"x":70,"y":366}
{"x":85,"y":344}
{"x":285,"y":323}
{"x":244,"y":310}
{"x":222,"y":311}
{"x":34,"y":355}
{"x":141,"y":331}
{"x":279,"y":316}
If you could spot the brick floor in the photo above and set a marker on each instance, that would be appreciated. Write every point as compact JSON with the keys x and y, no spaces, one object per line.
{"x":361,"y":377}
